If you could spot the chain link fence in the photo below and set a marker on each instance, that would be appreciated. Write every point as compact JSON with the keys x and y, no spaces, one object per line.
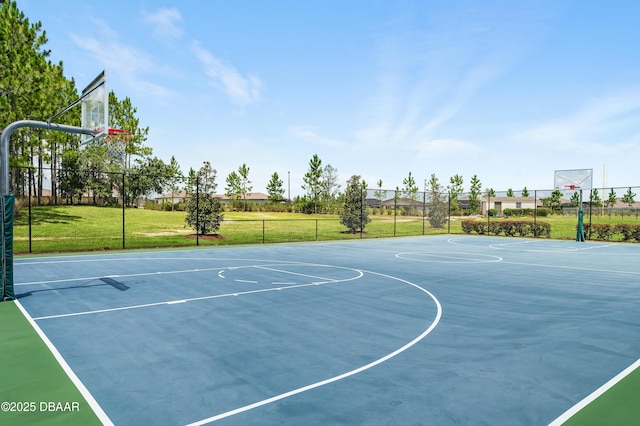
{"x":74,"y":210}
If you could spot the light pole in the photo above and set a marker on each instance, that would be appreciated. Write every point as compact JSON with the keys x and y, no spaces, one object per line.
{"x":289,"y":186}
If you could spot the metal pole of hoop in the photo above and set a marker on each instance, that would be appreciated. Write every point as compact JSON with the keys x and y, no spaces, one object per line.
{"x":6,"y":223}
{"x":580,"y":229}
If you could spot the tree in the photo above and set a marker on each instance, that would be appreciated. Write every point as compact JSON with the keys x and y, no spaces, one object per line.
{"x":275,"y":188}
{"x":204,"y":209}
{"x":594,"y":198}
{"x":554,"y":200}
{"x":380,"y":194}
{"x":149,"y":175}
{"x":525,"y":192}
{"x":474,"y":195}
{"x":410,"y":189}
{"x":455,"y":190}
{"x":354,"y":214}
{"x":329,"y":183}
{"x":510,"y":193}
{"x":245,"y":183}
{"x":436,"y":202}
{"x":575,"y":199}
{"x":612,"y":199}
{"x":313,"y":181}
{"x":628,"y":197}
{"x":174,"y":177}
{"x":122,"y":115}
{"x":233,"y":189}
{"x":71,"y":179}
{"x":491,"y":192}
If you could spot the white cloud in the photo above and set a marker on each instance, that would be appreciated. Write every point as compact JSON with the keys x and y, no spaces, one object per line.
{"x":166,"y":22}
{"x":605,"y":124}
{"x":427,"y":74}
{"x":309,"y":134}
{"x":125,"y":61}
{"x":241,"y":89}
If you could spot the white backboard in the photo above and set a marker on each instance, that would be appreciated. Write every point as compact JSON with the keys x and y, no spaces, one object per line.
{"x":95,"y":107}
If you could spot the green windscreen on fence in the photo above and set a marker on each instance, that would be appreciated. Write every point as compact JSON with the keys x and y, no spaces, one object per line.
{"x":7,"y":248}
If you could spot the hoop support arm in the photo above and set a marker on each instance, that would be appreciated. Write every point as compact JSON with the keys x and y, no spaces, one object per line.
{"x":6,"y":136}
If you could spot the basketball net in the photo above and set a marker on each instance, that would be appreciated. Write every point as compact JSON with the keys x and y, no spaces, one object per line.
{"x":117,"y":141}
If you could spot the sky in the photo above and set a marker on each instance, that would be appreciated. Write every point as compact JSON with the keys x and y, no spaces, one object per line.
{"x":508,"y":91}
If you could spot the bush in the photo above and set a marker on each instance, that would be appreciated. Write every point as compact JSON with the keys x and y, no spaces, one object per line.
{"x":509,"y":228}
{"x":605,"y":232}
{"x":543,"y":212}
{"x":468,"y":226}
{"x":625,"y":230}
{"x":541,"y":229}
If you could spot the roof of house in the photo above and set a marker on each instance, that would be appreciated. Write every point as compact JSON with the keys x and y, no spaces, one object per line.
{"x":256,"y":196}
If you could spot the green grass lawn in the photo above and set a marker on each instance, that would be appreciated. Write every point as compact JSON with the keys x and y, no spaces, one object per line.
{"x":73,"y":228}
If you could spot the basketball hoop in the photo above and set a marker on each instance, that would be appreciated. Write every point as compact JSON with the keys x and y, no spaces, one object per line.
{"x":569,"y":187}
{"x":117,"y":141}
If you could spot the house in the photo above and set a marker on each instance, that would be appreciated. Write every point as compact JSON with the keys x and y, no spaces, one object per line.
{"x":502,"y":203}
{"x":180,"y":197}
{"x":172,"y":197}
{"x":402,"y":203}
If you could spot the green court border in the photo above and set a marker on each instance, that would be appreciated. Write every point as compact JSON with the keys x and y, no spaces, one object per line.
{"x":34,"y":386}
{"x":614,"y":403}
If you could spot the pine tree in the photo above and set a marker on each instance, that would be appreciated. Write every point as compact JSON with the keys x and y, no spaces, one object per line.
{"x":437,"y":203}
{"x":204,"y":209}
{"x":313,"y":182}
{"x":474,"y":195}
{"x":275,"y":188}
{"x":354,"y":214}
{"x":628,"y":197}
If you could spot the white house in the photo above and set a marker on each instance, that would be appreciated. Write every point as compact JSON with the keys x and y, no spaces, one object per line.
{"x":502,"y":203}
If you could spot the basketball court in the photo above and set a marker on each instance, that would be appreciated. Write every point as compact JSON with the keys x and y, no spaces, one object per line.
{"x":419,"y":330}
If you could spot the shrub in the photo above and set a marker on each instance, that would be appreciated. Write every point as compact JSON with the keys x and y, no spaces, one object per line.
{"x":494,"y":228}
{"x":600,"y":231}
{"x":541,"y":229}
{"x":625,"y":230}
{"x":510,"y":228}
{"x":543,"y":212}
{"x":521,"y":228}
{"x":468,"y":226}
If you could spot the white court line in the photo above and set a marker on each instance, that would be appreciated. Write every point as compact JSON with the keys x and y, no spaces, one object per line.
{"x":99,"y":412}
{"x":341,"y":376}
{"x":299,"y":274}
{"x":142,"y":274}
{"x":575,"y":268}
{"x":593,"y":396}
{"x":171,"y":302}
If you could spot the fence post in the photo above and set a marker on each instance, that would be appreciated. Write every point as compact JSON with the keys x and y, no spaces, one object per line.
{"x":197,"y":209}
{"x":488,"y":215}
{"x":395,"y":210}
{"x":262,"y":231}
{"x":316,"y":229}
{"x":424,"y":210}
{"x":123,"y":208}
{"x":363,"y":199}
{"x":449,"y":221}
{"x":30,"y":217}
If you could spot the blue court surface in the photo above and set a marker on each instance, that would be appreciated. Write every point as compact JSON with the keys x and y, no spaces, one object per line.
{"x":440,"y":330}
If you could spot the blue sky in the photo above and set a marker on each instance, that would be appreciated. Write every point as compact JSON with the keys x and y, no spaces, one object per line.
{"x":506,"y":90}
